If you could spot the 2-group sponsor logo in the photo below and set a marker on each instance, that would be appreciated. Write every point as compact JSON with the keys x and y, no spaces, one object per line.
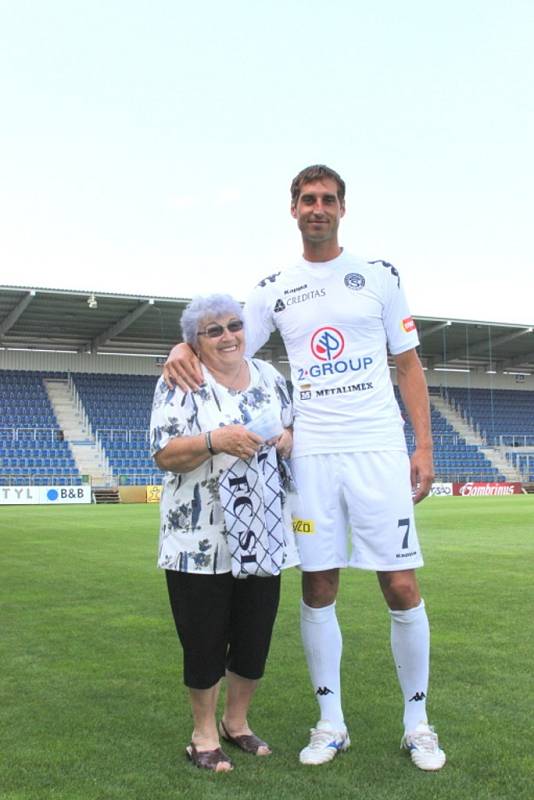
{"x":486,"y":489}
{"x":327,"y":344}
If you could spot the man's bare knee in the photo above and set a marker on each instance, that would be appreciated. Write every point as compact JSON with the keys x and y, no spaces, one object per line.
{"x":319,"y":589}
{"x":400,"y":589}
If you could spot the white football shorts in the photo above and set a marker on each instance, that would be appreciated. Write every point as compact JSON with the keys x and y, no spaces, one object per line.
{"x":356,"y":510}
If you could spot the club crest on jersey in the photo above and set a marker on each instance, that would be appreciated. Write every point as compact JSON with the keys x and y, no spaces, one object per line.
{"x":408,"y":325}
{"x":327,"y":344}
{"x":354,"y":281}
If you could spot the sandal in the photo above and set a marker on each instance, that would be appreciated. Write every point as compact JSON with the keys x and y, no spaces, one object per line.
{"x":208,"y":759}
{"x":249,"y":743}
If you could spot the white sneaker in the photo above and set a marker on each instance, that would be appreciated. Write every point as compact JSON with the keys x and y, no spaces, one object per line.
{"x":325,"y":743}
{"x":422,"y":744}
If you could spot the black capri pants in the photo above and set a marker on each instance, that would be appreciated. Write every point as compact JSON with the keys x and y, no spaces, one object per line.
{"x":222,"y":623}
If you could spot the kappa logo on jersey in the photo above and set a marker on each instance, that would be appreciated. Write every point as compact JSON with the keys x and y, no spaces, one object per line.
{"x":280,"y":306}
{"x":269,"y":279}
{"x":327,"y":344}
{"x":296,"y":289}
{"x":408,"y":325}
{"x":394,"y":271}
{"x":355,"y":281}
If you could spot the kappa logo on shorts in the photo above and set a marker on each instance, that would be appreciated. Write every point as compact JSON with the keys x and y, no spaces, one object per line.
{"x":418,"y":696}
{"x":306,"y":526}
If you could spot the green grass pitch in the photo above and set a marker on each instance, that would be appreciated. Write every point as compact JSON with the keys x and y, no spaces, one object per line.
{"x":92,"y":704}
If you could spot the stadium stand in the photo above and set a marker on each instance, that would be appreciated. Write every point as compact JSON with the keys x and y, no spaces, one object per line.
{"x":454,"y":458}
{"x":32,"y":449}
{"x":117,"y":409}
{"x":92,"y":358}
{"x":503,"y":418}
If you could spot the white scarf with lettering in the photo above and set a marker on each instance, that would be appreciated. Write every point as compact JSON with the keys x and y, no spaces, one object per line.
{"x":250,"y":493}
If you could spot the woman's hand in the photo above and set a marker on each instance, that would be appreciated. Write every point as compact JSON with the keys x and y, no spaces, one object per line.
{"x":284,"y":443}
{"x":236,"y":440}
{"x":182,"y":369}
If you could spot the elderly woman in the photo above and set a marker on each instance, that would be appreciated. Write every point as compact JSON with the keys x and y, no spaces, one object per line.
{"x":225,"y":528}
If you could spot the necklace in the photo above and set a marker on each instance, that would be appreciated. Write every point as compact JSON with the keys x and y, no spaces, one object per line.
{"x":231,"y":385}
{"x":238,"y":373}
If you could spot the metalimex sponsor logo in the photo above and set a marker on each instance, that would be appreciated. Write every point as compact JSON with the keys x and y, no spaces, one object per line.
{"x":327,"y":345}
{"x":335,"y":390}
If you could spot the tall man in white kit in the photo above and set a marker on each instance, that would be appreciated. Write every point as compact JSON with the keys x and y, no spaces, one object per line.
{"x":338,"y":315}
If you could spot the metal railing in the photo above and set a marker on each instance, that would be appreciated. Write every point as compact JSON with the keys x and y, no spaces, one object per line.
{"x":510,"y":439}
{"x":80,"y":408}
{"x":125,"y":434}
{"x":41,"y":434}
{"x":31,"y":479}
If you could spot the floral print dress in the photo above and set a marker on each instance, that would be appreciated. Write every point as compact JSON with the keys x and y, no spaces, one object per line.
{"x":192,"y":531}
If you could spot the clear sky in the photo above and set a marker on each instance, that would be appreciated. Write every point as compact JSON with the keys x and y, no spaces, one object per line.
{"x":148,"y":145}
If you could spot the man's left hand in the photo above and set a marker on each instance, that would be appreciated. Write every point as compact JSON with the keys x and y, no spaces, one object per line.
{"x":421,"y":473}
{"x":284,"y":443}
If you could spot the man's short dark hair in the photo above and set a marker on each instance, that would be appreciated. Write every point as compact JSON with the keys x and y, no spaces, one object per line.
{"x":317,"y":172}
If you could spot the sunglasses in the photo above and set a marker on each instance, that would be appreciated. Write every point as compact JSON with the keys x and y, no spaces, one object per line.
{"x":215,"y":330}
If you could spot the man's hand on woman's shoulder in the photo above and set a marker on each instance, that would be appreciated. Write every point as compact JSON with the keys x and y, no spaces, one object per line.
{"x":182,"y":369}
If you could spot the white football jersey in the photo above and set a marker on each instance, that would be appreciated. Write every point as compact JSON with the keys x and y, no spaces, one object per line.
{"x":337,"y":319}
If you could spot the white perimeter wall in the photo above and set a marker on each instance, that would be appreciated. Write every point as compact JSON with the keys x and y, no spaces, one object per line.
{"x":74,"y":362}
{"x":135,"y":365}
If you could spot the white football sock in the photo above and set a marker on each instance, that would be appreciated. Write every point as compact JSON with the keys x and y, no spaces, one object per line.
{"x":410,"y":645}
{"x":321,"y":638}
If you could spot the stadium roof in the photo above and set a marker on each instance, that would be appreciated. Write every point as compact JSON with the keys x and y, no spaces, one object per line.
{"x":80,"y":321}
